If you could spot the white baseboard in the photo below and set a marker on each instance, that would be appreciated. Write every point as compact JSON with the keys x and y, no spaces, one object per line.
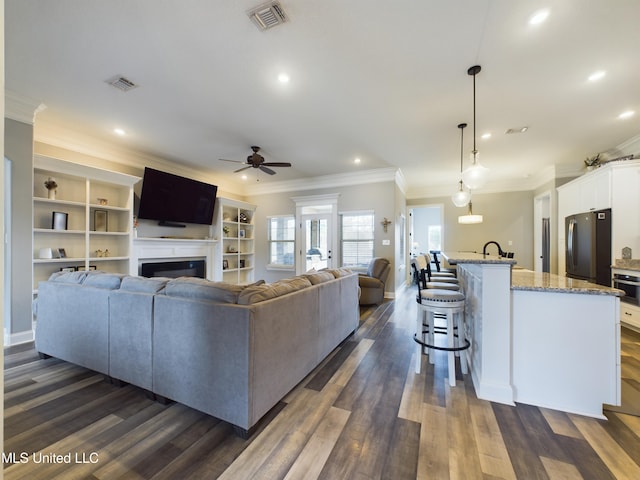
{"x":18,"y":338}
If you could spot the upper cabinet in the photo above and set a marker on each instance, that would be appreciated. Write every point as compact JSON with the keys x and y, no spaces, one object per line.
{"x":235,"y":250}
{"x":82,"y":218}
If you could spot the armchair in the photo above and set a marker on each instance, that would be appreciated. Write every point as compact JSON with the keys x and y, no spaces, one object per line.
{"x":372,"y":283}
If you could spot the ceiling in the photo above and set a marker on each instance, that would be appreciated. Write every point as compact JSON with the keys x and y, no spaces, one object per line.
{"x":384,"y":82}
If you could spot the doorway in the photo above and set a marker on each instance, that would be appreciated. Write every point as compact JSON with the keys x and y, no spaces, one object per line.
{"x":315,"y":238}
{"x":316,"y":242}
{"x":542,"y":232}
{"x":426,"y":232}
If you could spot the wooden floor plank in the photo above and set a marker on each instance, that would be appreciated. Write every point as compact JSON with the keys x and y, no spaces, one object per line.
{"x":616,"y":459}
{"x":559,"y":470}
{"x":493,"y":454}
{"x":433,"y":457}
{"x":312,"y":458}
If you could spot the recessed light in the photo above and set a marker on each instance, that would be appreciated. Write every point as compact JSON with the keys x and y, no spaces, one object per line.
{"x":283,"y":78}
{"x":595,"y":76}
{"x":119,"y":131}
{"x":627,"y":114}
{"x":539,"y":17}
{"x":485,"y":136}
{"x":357,"y":160}
{"x":244,"y":177}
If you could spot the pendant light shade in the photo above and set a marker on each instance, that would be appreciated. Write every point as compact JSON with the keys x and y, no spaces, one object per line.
{"x":462,"y":197}
{"x":470,"y":218}
{"x":476,"y":175}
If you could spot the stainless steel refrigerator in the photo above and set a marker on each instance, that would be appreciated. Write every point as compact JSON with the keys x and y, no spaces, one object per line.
{"x":588,"y":246}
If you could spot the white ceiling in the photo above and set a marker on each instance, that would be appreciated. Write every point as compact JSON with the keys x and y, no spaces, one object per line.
{"x":383,"y":81}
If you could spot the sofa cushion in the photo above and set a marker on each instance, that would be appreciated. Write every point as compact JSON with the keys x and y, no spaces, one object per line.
{"x":143,"y":284}
{"x":68,"y":277}
{"x":339,"y":272}
{"x":110,"y":281}
{"x":202,"y":289}
{"x":260,"y":293}
{"x":319,"y":277}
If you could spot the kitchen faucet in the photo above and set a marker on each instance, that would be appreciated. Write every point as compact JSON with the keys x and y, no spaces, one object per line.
{"x":484,"y":249}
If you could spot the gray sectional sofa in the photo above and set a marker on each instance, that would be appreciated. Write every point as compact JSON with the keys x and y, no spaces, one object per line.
{"x":227,"y":350}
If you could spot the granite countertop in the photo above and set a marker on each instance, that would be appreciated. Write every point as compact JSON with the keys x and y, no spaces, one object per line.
{"x":549,"y":282}
{"x":471,"y":257}
{"x":627,"y":264}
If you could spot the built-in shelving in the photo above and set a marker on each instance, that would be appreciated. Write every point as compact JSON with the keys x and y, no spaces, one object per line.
{"x":98,"y":205}
{"x":235,"y":252}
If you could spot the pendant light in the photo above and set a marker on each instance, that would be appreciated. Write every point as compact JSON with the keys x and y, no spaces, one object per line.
{"x":470,"y":218}
{"x":462,"y":197}
{"x":476,"y":175}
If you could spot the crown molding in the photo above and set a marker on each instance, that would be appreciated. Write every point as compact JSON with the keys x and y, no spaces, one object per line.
{"x":631,"y":146}
{"x":20,"y":108}
{"x":327,"y":181}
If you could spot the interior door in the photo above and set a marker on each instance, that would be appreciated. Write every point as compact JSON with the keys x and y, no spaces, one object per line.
{"x":316,"y":240}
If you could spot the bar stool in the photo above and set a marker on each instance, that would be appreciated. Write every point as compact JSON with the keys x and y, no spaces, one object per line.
{"x":447,"y":305}
{"x":424,"y":281}
{"x":437,"y":262}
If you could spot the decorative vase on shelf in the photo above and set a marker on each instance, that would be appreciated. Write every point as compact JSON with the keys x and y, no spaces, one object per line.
{"x":51,"y":186}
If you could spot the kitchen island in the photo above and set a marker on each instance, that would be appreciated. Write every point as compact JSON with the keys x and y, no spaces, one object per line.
{"x":539,"y":338}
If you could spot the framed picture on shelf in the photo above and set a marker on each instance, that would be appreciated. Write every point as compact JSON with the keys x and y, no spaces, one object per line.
{"x":225,"y":264}
{"x":59,"y":220}
{"x":242,"y":263}
{"x":83,"y":269}
{"x":241,"y":233}
{"x":62,"y":253}
{"x":68,"y":269}
{"x":100,"y":220}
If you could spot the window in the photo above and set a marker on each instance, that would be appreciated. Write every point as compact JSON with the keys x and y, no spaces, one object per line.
{"x":357,"y":236}
{"x":434,"y":239}
{"x":281,"y":237}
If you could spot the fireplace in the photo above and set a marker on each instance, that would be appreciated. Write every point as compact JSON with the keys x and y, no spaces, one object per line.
{"x":185,"y":268}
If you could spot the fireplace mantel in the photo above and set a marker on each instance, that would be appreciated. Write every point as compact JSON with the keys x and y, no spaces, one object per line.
{"x":154,"y":249}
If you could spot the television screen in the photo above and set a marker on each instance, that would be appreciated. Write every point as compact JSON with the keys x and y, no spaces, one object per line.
{"x":171,"y":198}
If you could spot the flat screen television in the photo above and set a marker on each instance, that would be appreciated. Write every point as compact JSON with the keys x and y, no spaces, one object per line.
{"x":171,"y":198}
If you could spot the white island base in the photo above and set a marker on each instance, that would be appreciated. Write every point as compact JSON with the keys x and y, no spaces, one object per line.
{"x":540,"y":339}
{"x":566,"y":351}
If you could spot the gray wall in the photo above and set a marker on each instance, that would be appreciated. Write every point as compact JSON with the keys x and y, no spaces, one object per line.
{"x":379,"y":197}
{"x":18,"y":144}
{"x":508,"y":217}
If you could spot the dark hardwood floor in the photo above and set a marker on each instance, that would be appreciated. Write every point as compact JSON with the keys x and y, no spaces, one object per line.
{"x":362,"y":414}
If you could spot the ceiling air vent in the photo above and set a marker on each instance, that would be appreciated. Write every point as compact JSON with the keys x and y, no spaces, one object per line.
{"x":121,"y":83}
{"x":268,"y":15}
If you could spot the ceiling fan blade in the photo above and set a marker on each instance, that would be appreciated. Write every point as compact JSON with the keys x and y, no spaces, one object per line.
{"x":234,"y":161}
{"x":241,"y":169}
{"x":277,"y":164}
{"x":266,"y":170}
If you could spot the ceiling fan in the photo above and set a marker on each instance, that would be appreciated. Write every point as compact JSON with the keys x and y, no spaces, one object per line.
{"x":255,"y":160}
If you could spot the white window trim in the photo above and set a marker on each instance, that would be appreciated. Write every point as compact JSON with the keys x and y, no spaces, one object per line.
{"x":340,"y":241}
{"x":276,"y":266}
